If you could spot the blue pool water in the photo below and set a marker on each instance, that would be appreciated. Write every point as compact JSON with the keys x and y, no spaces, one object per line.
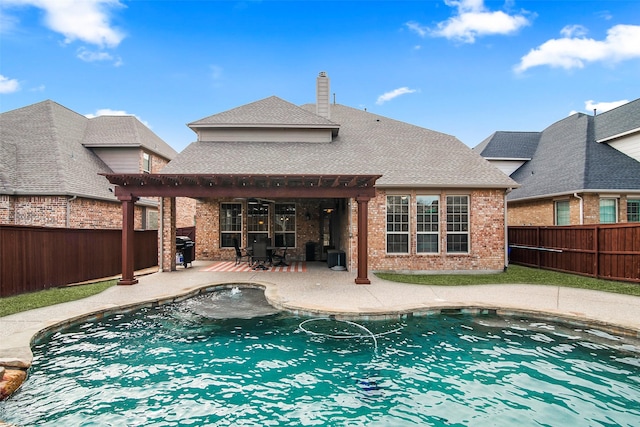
{"x":189,"y":364}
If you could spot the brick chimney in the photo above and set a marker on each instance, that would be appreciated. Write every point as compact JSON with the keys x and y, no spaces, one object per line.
{"x":323,"y":107}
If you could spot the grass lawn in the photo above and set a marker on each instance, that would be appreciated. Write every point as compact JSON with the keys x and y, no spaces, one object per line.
{"x":517,"y":274}
{"x":24,"y":302}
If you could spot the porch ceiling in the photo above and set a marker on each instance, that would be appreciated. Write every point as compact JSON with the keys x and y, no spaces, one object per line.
{"x":242,"y":185}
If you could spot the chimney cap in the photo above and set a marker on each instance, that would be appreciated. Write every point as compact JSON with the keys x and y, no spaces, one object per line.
{"x":322,"y":74}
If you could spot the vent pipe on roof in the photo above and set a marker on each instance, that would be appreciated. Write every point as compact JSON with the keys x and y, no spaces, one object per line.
{"x":322,"y":96}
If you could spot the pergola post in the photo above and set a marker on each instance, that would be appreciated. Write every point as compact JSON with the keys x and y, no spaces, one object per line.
{"x":363,"y":249}
{"x":128,"y":241}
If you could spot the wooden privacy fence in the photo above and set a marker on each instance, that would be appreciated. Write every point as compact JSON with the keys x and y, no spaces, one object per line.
{"x":36,"y":258}
{"x":606,"y":251}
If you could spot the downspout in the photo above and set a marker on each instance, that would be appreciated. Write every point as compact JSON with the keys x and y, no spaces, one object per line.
{"x":581,"y":207}
{"x":506,"y":231}
{"x":68,"y":219}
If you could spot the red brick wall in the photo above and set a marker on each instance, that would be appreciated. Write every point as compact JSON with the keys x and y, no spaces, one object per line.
{"x":51,"y":211}
{"x":541,"y":212}
{"x":486,"y":236}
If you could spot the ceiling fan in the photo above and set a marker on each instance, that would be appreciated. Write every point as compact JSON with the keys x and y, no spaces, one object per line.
{"x":254,"y":200}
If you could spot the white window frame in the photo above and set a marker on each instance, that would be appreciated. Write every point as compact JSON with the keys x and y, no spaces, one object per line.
{"x":146,"y":162}
{"x":398,"y":226}
{"x":615,"y":207}
{"x":288,"y":219}
{"x":237,"y":232}
{"x":419,"y":223}
{"x":633,"y":201}
{"x":556,"y":217}
{"x":464,"y":226}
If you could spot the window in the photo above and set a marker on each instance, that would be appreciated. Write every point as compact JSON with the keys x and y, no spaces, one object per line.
{"x":608,"y":211}
{"x":457,"y":224}
{"x":257,"y":222}
{"x":633,"y":210}
{"x":146,"y":162}
{"x":285,"y":225}
{"x":398,"y":224}
{"x":427,"y":221}
{"x":562,"y":212}
{"x":230,"y":224}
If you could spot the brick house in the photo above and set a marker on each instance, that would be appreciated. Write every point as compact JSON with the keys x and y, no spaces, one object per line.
{"x":320,"y":177}
{"x":580,"y":170}
{"x":51,"y":159}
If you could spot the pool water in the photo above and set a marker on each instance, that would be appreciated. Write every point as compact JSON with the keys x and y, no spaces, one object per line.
{"x":180,"y":365}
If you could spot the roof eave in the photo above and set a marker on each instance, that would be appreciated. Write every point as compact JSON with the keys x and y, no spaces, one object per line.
{"x":619,"y":135}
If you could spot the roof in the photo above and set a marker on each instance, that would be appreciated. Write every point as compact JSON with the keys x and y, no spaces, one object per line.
{"x":618,"y":121}
{"x":42,"y":151}
{"x":568,"y":159}
{"x":509,"y":145}
{"x":125,"y":131}
{"x":268,"y":112}
{"x":368,"y":144}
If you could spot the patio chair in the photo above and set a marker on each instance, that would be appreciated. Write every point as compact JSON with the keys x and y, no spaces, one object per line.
{"x":280,"y":258}
{"x":260,"y":256}
{"x":240,"y":254}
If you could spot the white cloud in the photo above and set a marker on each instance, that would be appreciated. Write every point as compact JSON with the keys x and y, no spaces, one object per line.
{"x":93,"y":56}
{"x":84,"y":20}
{"x":8,"y":85}
{"x":473,"y":20}
{"x":622,"y":43}
{"x":601,"y":107}
{"x":393,"y":94}
{"x":110,"y":112}
{"x":574,"y":31}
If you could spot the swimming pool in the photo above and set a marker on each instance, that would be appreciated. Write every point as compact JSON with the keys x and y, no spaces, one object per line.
{"x":227,"y":358}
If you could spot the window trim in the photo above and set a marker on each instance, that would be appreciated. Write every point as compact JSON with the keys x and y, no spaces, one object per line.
{"x":221,"y":232}
{"x":632,"y":201}
{"x":458,"y":233}
{"x":616,"y":217}
{"x":286,"y":232}
{"x":555,"y":211}
{"x":437,"y":233}
{"x":146,"y":162}
{"x":408,"y":233}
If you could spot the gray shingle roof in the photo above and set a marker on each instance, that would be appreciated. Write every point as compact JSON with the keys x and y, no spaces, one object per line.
{"x":404,"y":154}
{"x":269,"y":111}
{"x":618,"y":121}
{"x":509,"y":145}
{"x":42,"y":152}
{"x":120,"y":131}
{"x":568,"y":159}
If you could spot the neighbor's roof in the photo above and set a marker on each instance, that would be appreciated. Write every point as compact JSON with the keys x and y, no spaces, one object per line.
{"x":568,"y":159}
{"x":368,"y":144}
{"x":125,"y":131}
{"x":42,"y":149}
{"x":509,"y":145}
{"x":42,"y":152}
{"x":619,"y":121}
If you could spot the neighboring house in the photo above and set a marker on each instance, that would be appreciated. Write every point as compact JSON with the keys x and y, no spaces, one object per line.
{"x":324,"y":177}
{"x":51,"y":158}
{"x":580,"y":170}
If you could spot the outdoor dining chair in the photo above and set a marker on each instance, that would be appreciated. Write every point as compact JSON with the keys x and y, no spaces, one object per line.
{"x":240,"y":254}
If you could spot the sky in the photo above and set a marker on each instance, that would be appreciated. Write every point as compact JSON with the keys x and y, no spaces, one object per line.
{"x":463,"y":67}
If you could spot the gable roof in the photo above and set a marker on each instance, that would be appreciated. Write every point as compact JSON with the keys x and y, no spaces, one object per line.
{"x":124,"y":131}
{"x":368,"y":144}
{"x":568,"y":159}
{"x":42,"y":151}
{"x":268,"y":112}
{"x":618,"y":121}
{"x":509,"y":145}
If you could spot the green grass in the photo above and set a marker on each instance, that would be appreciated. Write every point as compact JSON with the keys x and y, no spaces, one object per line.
{"x":24,"y":302}
{"x":517,"y":274}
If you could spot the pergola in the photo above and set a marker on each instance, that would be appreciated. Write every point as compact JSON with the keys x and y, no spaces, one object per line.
{"x":130,"y":187}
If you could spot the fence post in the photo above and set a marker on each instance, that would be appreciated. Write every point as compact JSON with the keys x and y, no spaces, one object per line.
{"x":538,"y":245}
{"x":596,"y":250}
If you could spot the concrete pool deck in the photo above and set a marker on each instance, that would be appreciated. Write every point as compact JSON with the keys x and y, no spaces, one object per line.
{"x":322,"y":291}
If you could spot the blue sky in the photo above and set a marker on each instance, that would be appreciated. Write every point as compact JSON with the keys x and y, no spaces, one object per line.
{"x":463,"y":67}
